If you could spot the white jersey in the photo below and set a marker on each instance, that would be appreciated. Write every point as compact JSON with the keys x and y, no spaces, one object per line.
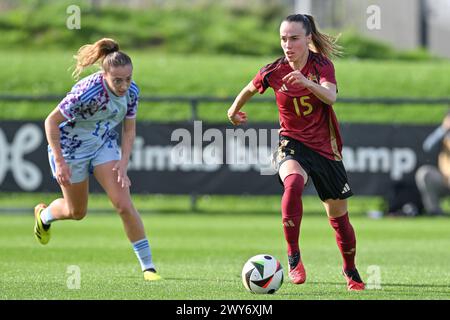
{"x":92,"y":112}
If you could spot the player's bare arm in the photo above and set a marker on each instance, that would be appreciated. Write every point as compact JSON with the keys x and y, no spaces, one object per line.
{"x":52,"y":122}
{"x":236,"y":116}
{"x":128,"y":136}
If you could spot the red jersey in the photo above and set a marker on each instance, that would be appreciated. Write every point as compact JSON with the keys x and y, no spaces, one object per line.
{"x":303,"y":116}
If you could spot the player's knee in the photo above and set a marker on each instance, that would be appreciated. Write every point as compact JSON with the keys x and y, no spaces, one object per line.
{"x":294,"y":184}
{"x":423,"y":174}
{"x":336,"y":212}
{"x":77,"y":213}
{"x":123,"y":207}
{"x":420,"y":174}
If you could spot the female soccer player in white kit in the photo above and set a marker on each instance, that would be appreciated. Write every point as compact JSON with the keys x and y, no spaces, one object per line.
{"x":82,"y":140}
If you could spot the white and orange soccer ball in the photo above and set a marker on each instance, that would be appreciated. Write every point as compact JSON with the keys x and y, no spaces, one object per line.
{"x":262,"y":274}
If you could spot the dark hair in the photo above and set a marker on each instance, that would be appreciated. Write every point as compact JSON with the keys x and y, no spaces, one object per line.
{"x":322,"y":43}
{"x":106,"y":50}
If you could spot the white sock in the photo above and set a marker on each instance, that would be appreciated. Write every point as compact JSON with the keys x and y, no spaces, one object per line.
{"x":142,"y":250}
{"x":46,"y":216}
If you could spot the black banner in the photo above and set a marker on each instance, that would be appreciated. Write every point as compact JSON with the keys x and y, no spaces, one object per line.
{"x":204,"y":158}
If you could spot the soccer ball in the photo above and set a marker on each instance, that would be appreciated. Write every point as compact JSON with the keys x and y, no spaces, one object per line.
{"x":262,"y":274}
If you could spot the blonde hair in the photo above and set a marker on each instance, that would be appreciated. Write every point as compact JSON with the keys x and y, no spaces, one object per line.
{"x":322,"y":43}
{"x":106,"y":51}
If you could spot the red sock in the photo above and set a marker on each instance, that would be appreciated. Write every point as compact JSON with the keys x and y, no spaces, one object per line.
{"x":345,"y":239}
{"x":292,"y":210}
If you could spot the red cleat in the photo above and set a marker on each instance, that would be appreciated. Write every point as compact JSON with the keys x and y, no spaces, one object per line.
{"x":298,"y":273}
{"x":354,"y":282}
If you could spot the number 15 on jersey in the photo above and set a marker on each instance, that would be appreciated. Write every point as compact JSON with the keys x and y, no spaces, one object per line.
{"x":302,"y":101}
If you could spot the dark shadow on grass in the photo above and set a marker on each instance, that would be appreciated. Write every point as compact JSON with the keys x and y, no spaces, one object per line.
{"x":184,"y":279}
{"x":409,"y":285}
{"x":390,"y":286}
{"x":327,"y":283}
{"x":199,"y":279}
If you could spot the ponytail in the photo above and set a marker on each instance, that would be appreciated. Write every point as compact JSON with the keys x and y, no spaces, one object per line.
{"x":322,"y":43}
{"x":105,"y":50}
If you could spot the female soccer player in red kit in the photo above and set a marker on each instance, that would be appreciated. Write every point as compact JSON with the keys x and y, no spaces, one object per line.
{"x":310,"y":144}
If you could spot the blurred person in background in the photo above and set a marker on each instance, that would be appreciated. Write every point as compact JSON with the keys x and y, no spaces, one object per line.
{"x":310,"y":144}
{"x":82,"y":141}
{"x":433,"y":181}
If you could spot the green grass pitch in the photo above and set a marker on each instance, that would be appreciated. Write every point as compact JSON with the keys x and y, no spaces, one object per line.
{"x":200,"y":256}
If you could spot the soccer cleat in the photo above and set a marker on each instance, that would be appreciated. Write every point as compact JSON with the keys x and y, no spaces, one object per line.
{"x":297,"y":272}
{"x":354,"y":282}
{"x":151,"y":275}
{"x":40,"y":233}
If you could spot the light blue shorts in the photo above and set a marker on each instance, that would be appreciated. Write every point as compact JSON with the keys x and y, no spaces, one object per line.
{"x":81,"y":168}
